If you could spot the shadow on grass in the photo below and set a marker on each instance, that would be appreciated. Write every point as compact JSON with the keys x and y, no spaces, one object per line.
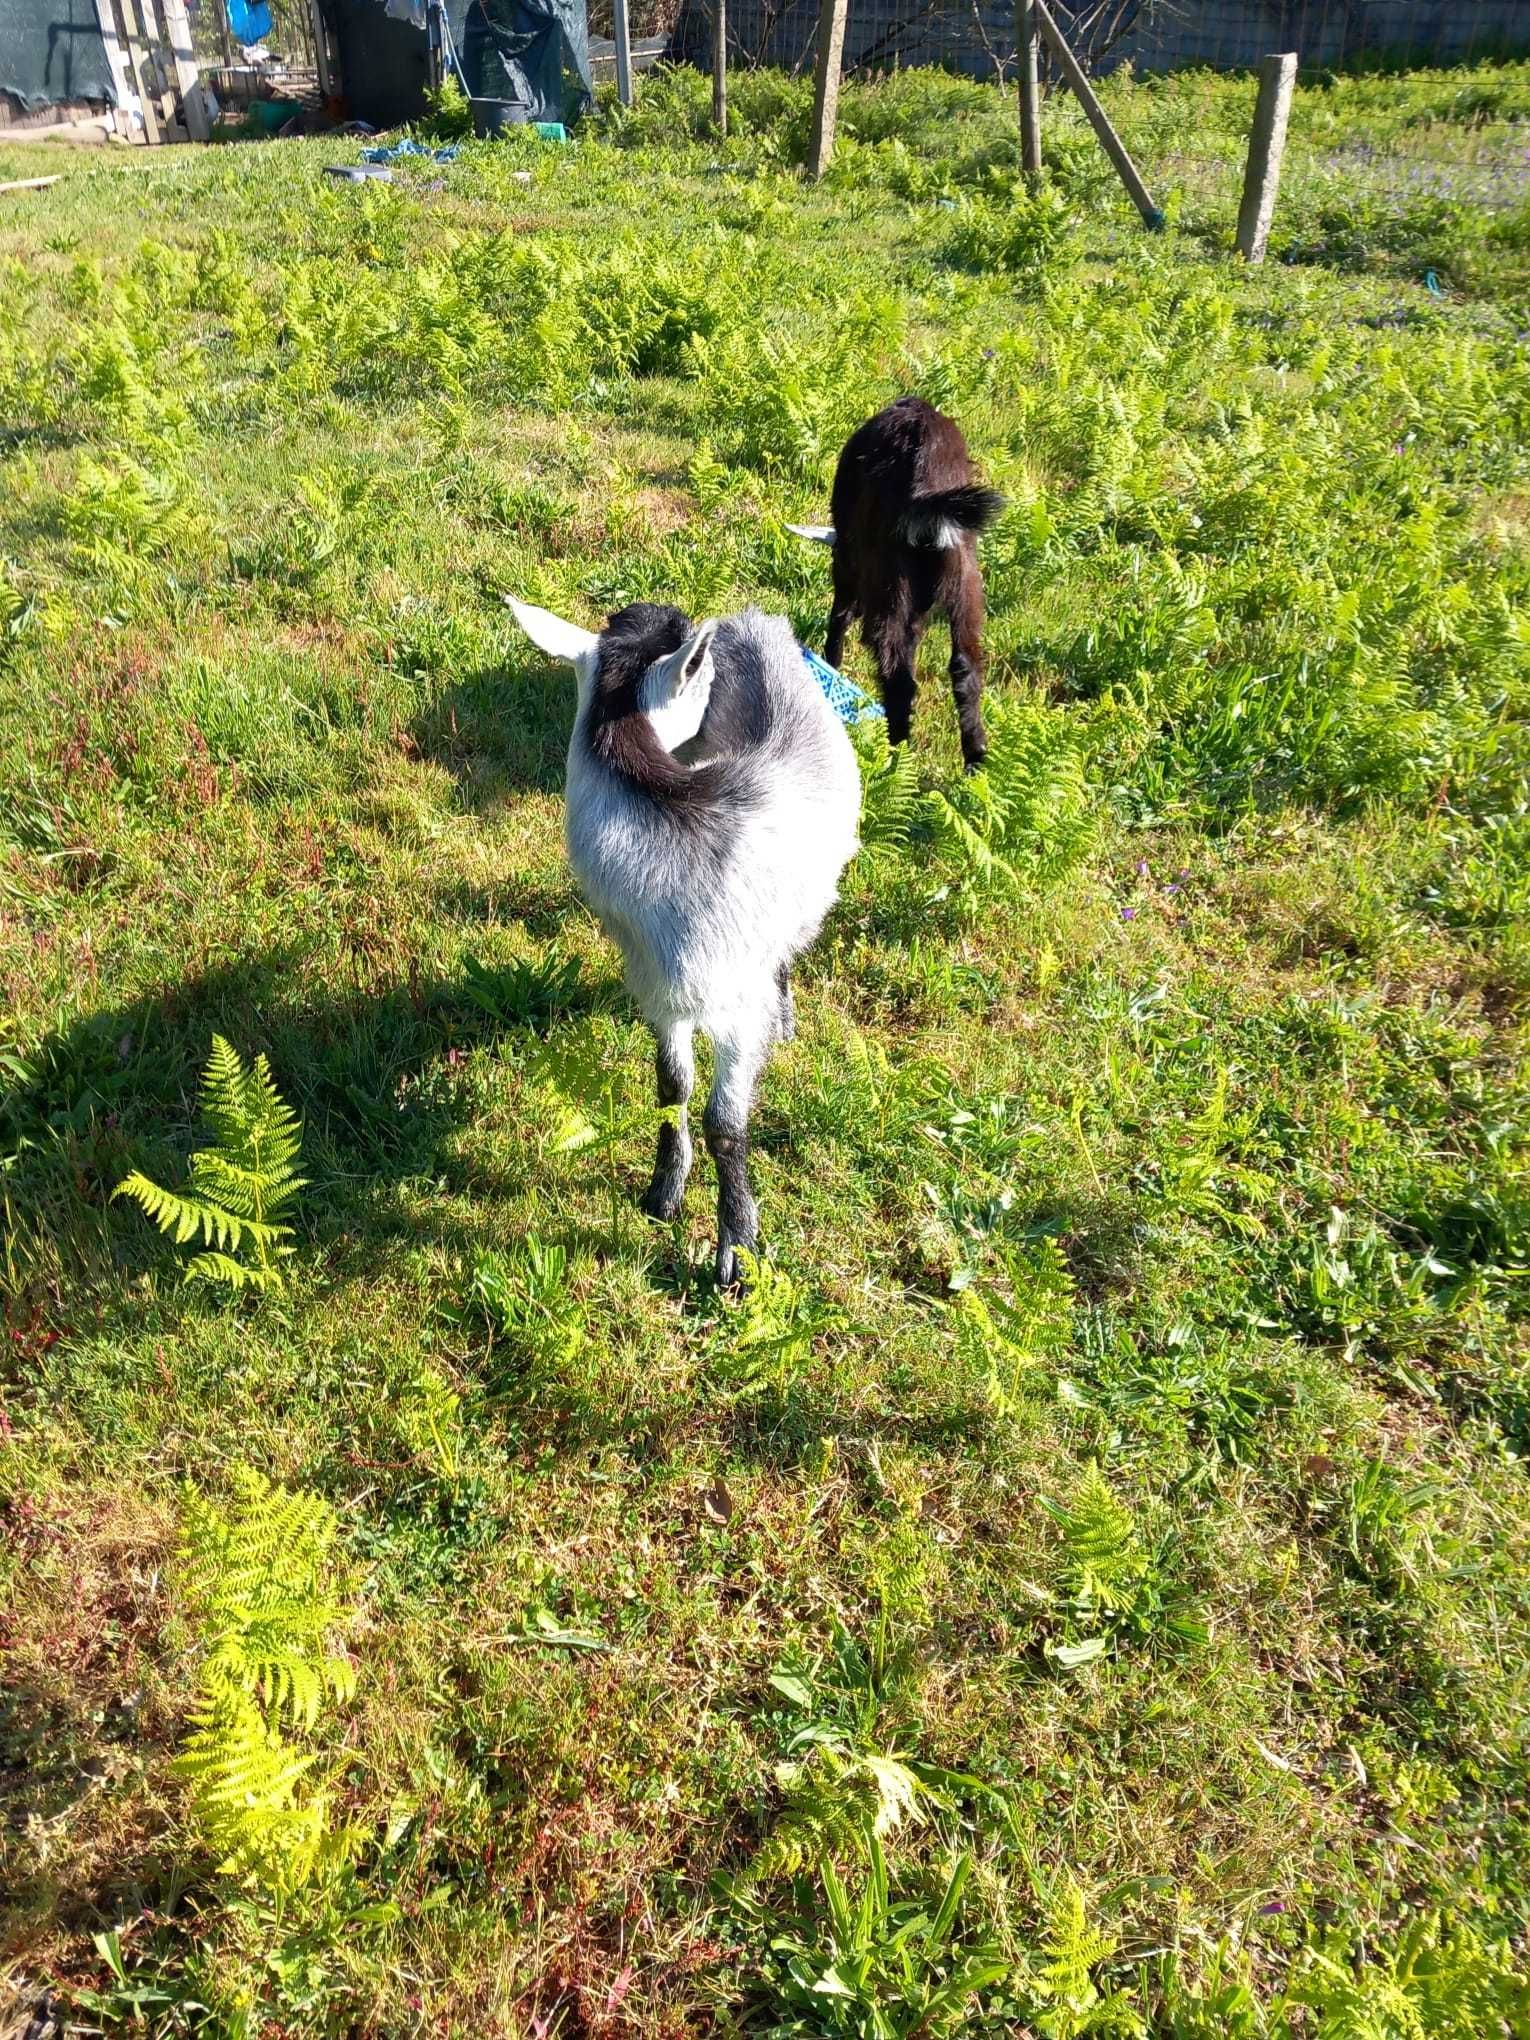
{"x":118,"y":1089}
{"x":500,"y":730}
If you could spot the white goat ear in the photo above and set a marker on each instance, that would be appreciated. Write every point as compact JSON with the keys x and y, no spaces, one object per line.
{"x":820,"y":534}
{"x":550,"y":633}
{"x":676,"y":690}
{"x":694,"y":655}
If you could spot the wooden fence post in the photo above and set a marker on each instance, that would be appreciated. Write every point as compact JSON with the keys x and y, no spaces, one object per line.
{"x":1099,"y":120}
{"x":122,"y":80}
{"x":329,"y":84}
{"x":720,"y":65}
{"x":1030,"y":90}
{"x":622,"y":36}
{"x":831,"y":57}
{"x":1266,"y":146}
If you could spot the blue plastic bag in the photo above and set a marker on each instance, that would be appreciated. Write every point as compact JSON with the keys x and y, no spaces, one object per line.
{"x":249,"y":21}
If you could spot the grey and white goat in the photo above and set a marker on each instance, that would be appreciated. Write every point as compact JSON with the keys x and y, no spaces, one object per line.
{"x":713,"y":798}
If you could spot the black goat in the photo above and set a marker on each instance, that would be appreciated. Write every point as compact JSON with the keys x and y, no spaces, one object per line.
{"x":907,"y":511}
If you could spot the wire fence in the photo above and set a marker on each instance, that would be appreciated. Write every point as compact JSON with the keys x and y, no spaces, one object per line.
{"x":979,"y":36}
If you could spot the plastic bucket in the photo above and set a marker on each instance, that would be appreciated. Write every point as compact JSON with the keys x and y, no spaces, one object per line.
{"x":491,"y":116}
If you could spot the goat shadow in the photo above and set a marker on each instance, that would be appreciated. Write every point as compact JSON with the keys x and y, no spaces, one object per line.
{"x":500,"y":729}
{"x":116,"y":1089}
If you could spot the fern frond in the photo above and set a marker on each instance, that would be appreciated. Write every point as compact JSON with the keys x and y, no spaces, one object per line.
{"x":1072,"y":1951}
{"x":1105,"y":1562}
{"x":214,"y":1267}
{"x":243,"y":1779}
{"x":254,"y":1576}
{"x":187,"y":1218}
{"x":889,"y":803}
{"x":239,"y":1185}
{"x":831,"y":1800}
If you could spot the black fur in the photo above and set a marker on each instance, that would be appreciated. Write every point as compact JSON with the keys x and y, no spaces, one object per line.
{"x":972,"y":508}
{"x":902,"y":474}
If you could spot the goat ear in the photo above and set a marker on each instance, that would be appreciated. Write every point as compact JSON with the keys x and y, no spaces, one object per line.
{"x":550,"y":633}
{"x":694,"y":654}
{"x":820,"y":534}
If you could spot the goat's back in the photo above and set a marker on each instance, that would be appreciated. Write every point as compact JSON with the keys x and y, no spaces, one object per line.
{"x":907,"y":450}
{"x":711,"y":872}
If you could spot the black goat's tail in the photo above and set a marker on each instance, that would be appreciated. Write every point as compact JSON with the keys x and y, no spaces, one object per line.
{"x":943,"y":518}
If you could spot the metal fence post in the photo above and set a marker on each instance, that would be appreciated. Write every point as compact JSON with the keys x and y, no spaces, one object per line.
{"x":720,"y":65}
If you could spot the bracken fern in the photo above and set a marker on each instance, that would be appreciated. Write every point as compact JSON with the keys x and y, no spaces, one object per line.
{"x":255,"y":1579}
{"x":239,"y":1185}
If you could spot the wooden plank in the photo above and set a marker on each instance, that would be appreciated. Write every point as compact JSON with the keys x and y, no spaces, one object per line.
{"x":1030,"y":89}
{"x":831,"y":58}
{"x":132,"y":41}
{"x":1099,"y":120}
{"x":188,"y":79}
{"x":329,"y":83}
{"x":159,"y":69}
{"x":623,"y":40}
{"x":1266,"y":146}
{"x":29,"y":183}
{"x":122,"y":83}
{"x":720,"y":65}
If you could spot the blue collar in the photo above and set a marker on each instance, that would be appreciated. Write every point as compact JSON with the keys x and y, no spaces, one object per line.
{"x":849,"y":702}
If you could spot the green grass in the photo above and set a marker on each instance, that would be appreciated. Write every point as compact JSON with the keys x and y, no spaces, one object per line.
{"x":1083,"y":1586}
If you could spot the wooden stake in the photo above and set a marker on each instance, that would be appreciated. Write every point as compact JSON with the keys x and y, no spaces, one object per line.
{"x":1099,"y":120}
{"x":29,"y":183}
{"x":720,"y":65}
{"x":622,"y":35}
{"x":183,"y":62}
{"x":1266,"y":146}
{"x":831,"y":57}
{"x":1030,"y":90}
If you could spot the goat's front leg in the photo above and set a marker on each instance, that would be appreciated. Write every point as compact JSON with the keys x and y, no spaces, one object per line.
{"x":740,"y":1056}
{"x":677,"y":1078}
{"x":842,"y":610}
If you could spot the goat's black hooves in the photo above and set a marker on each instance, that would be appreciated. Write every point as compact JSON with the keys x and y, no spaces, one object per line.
{"x":975,"y":762}
{"x":663,"y":1201}
{"x":729,"y":1272}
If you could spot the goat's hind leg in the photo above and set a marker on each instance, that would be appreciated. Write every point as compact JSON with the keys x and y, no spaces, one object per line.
{"x":965,"y":610}
{"x":787,"y":1026}
{"x":677,"y":1078}
{"x":740,"y":1056}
